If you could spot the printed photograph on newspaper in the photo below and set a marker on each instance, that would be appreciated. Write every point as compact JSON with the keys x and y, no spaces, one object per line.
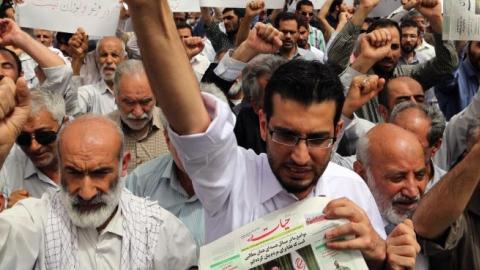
{"x":292,"y":238}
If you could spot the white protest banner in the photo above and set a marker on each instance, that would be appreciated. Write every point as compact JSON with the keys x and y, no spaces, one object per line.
{"x":274,"y":4}
{"x":98,"y":18}
{"x":461,"y":20}
{"x":184,"y":5}
{"x":385,"y":7}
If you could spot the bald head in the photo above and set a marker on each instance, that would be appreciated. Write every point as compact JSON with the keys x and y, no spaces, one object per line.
{"x":391,"y":160}
{"x":90,"y":132}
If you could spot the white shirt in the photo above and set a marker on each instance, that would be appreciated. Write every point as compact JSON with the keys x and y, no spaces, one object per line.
{"x":29,"y":64}
{"x":200,"y":64}
{"x":19,"y":172}
{"x":96,"y":98}
{"x":426,"y":49}
{"x":237,"y":186}
{"x":22,"y":242}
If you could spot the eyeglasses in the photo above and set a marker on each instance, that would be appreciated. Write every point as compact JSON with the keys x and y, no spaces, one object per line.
{"x":306,"y":14}
{"x":42,"y":137}
{"x":289,"y":139}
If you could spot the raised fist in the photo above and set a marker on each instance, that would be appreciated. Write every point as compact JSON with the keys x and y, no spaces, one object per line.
{"x":264,"y":38}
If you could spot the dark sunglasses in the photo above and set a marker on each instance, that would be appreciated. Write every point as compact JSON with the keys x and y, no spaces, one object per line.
{"x":306,"y":13}
{"x":42,"y":137}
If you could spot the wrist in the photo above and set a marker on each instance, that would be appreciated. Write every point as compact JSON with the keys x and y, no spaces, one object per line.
{"x":20,"y":39}
{"x":363,"y":64}
{"x":244,"y":53}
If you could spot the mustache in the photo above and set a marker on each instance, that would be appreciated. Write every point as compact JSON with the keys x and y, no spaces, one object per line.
{"x":400,"y":198}
{"x":144,"y":116}
{"x":79,"y":203}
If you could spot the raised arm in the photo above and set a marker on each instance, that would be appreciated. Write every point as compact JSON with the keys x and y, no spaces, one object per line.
{"x":11,"y":34}
{"x":322,"y":18}
{"x":447,"y":200}
{"x":343,"y":44}
{"x":252,"y":10}
{"x":167,"y":66}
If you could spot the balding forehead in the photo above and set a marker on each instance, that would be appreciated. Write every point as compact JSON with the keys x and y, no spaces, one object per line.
{"x":384,"y":136}
{"x":404,"y":85}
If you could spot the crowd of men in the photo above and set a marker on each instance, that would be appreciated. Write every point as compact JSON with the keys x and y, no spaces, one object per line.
{"x":133,"y":151}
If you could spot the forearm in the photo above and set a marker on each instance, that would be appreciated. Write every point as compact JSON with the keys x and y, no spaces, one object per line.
{"x":243,"y":30}
{"x":41,"y":54}
{"x":447,"y":200}
{"x":4,"y":151}
{"x":170,"y":74}
{"x":343,"y":44}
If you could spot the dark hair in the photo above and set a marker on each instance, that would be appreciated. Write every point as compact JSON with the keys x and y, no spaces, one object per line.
{"x":304,"y":24}
{"x":383,"y":23}
{"x":239,"y":12}
{"x":63,"y":38}
{"x":183,"y":25}
{"x":303,"y":3}
{"x":15,"y":57}
{"x":306,"y":82}
{"x":286,"y":16}
{"x":334,"y":5}
{"x":410,"y":23}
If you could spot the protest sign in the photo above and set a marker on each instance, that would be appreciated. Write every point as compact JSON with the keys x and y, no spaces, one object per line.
{"x":461,"y":20}
{"x":290,"y":238}
{"x":184,"y":5}
{"x":274,"y":4}
{"x":98,"y":18}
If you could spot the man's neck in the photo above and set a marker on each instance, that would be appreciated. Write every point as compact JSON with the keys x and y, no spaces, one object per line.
{"x":105,"y":224}
{"x":408,"y":57}
{"x":138,"y":134}
{"x":52,"y":172}
{"x":304,"y":194}
{"x":184,"y":180}
{"x":109,"y":84}
{"x":289,"y":54}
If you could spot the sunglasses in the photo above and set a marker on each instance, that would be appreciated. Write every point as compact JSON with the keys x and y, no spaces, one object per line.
{"x":42,"y":137}
{"x":306,"y":13}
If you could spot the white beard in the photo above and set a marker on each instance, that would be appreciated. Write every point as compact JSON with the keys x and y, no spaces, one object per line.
{"x":96,"y":218}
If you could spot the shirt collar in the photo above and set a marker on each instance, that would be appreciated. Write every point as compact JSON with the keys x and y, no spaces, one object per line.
{"x":270,"y":185}
{"x":31,"y":170}
{"x":103,"y":87}
{"x":115,"y":225}
{"x":173,"y":182}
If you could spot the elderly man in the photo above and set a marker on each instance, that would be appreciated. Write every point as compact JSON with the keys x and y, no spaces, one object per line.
{"x":99,"y":97}
{"x":31,"y":168}
{"x":137,"y":114}
{"x":299,"y":122}
{"x":101,"y":225}
{"x":391,"y":161}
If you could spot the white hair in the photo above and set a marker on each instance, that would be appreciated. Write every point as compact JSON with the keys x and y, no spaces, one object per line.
{"x":52,"y":102}
{"x":363,"y":150}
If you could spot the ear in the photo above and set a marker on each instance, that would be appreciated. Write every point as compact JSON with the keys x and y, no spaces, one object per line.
{"x":436,"y":146}
{"x":360,"y":169}
{"x":383,"y":112}
{"x":339,"y":128}
{"x":126,"y":159}
{"x":262,"y":117}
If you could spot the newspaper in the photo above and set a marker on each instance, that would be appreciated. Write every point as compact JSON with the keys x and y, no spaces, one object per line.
{"x":461,"y":20}
{"x":290,"y":238}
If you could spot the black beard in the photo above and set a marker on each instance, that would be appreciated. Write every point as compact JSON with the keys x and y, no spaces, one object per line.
{"x":408,"y":48}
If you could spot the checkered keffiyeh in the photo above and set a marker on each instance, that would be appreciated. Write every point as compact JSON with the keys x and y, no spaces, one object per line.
{"x":140,"y":234}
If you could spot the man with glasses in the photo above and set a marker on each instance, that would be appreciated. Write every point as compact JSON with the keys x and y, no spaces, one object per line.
{"x":31,"y":168}
{"x":299,"y":122}
{"x":315,"y":36}
{"x":289,"y":24}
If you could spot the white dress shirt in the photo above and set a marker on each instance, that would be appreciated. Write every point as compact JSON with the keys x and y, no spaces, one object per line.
{"x":96,"y":98}
{"x":19,"y":172}
{"x":237,"y":186}
{"x":22,"y":241}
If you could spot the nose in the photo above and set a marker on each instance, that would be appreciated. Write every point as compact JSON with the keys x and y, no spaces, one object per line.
{"x":300,"y":154}
{"x":35,"y":146}
{"x":138,"y":110}
{"x":109,"y":60}
{"x":87,"y":189}
{"x":410,"y":188}
{"x":412,"y":99}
